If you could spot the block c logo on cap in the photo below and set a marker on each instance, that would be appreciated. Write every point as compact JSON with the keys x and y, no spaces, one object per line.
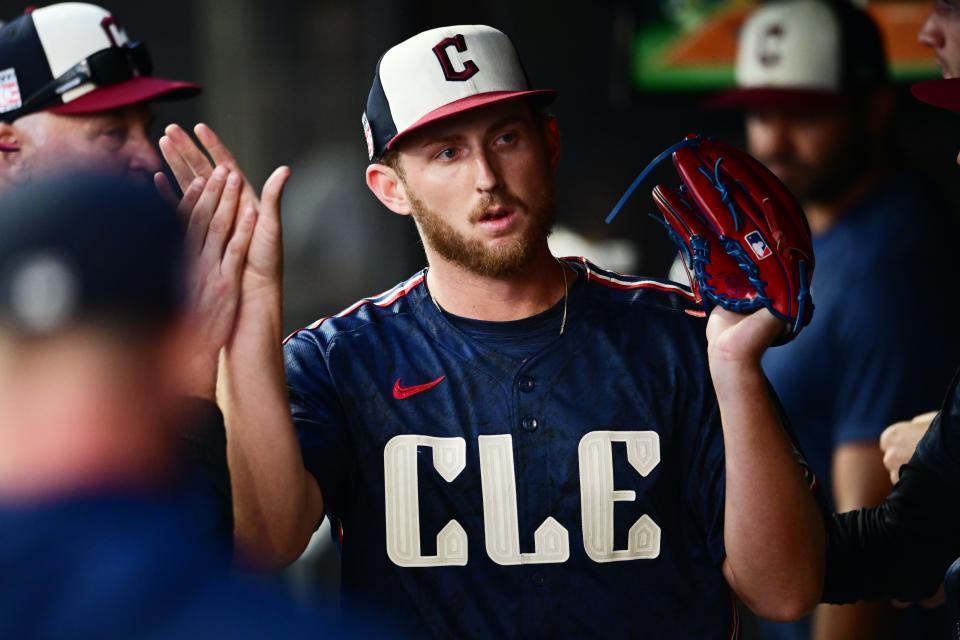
{"x":470,"y":68}
{"x":768,"y":49}
{"x":116,"y":34}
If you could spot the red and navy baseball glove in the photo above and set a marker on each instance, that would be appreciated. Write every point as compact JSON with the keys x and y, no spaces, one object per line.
{"x":741,"y":234}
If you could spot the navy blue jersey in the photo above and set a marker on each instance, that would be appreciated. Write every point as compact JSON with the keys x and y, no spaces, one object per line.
{"x":574,"y":493}
{"x":865,"y":361}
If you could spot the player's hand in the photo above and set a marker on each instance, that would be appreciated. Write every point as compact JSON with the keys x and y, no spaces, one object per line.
{"x":899,"y":441}
{"x":264,"y":268}
{"x":188,"y":161}
{"x":218,"y":237}
{"x":737,"y":339}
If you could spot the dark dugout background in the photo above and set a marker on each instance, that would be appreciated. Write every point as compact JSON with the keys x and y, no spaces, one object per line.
{"x":286,"y":81}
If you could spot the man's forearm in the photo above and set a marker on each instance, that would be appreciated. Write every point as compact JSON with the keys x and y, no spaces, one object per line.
{"x":773,"y":530}
{"x":859,"y":480}
{"x":900,"y":549}
{"x":272,"y":500}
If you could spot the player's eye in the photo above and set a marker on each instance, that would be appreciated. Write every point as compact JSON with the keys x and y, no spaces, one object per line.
{"x":450,"y":153}
{"x":507,"y":138}
{"x":115,"y":137}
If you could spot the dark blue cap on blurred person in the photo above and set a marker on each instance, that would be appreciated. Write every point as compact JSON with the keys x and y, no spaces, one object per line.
{"x":82,"y":247}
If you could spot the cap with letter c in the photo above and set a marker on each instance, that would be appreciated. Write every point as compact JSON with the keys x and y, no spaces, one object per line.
{"x":74,"y":57}
{"x":438,"y":74}
{"x":803,"y":53}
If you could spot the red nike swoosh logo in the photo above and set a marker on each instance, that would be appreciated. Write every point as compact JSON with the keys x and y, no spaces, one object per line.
{"x":402,"y":393}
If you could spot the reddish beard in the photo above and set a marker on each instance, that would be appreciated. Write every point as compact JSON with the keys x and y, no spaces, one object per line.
{"x":471,"y":253}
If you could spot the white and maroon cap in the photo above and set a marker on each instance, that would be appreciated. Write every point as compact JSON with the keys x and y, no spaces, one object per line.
{"x":801,"y":53}
{"x":438,"y":74}
{"x":75,"y":57}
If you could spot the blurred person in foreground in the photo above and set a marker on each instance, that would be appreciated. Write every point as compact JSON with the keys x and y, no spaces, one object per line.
{"x":94,"y":334}
{"x":812,"y":76}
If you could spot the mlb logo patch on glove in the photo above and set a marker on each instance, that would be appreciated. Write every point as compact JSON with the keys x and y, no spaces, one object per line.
{"x":761,"y":248}
{"x":741,"y":234}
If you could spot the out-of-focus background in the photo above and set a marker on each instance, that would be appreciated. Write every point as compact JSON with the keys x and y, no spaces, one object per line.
{"x":286,"y":81}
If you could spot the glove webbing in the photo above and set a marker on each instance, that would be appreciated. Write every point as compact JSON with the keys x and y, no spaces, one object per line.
{"x":721,"y":188}
{"x":683,"y":144}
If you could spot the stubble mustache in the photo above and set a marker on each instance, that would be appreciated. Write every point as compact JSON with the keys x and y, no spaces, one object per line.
{"x":492,"y":201}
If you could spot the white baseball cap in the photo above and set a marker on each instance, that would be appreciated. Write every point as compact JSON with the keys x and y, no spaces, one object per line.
{"x":438,"y":74}
{"x":74,"y":57}
{"x":798,"y":53}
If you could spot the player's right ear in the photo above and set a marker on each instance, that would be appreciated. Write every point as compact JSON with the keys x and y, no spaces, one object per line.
{"x":384,"y":182}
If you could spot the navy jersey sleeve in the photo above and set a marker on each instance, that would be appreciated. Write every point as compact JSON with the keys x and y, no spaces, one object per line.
{"x":318,"y":417}
{"x":902,"y":548}
{"x":880,"y":381}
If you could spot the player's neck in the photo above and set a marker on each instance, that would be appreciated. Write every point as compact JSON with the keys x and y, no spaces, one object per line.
{"x":539,"y":286}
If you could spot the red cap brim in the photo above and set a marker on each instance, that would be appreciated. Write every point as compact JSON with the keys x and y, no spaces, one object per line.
{"x":940,"y":93}
{"x":775,"y":98}
{"x":541,"y":96}
{"x":123,"y":94}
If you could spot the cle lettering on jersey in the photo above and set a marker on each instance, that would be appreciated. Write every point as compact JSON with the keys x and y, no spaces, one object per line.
{"x":499,"y":491}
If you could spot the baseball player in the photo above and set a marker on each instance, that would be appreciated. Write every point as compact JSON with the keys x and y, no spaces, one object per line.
{"x":75,"y":92}
{"x":821,"y":118}
{"x":941,"y":32}
{"x":509,"y":444}
{"x":902,"y":548}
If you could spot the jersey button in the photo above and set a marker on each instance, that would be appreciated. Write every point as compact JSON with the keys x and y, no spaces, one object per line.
{"x":537,"y":579}
{"x":527,"y":384}
{"x":530,"y":424}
